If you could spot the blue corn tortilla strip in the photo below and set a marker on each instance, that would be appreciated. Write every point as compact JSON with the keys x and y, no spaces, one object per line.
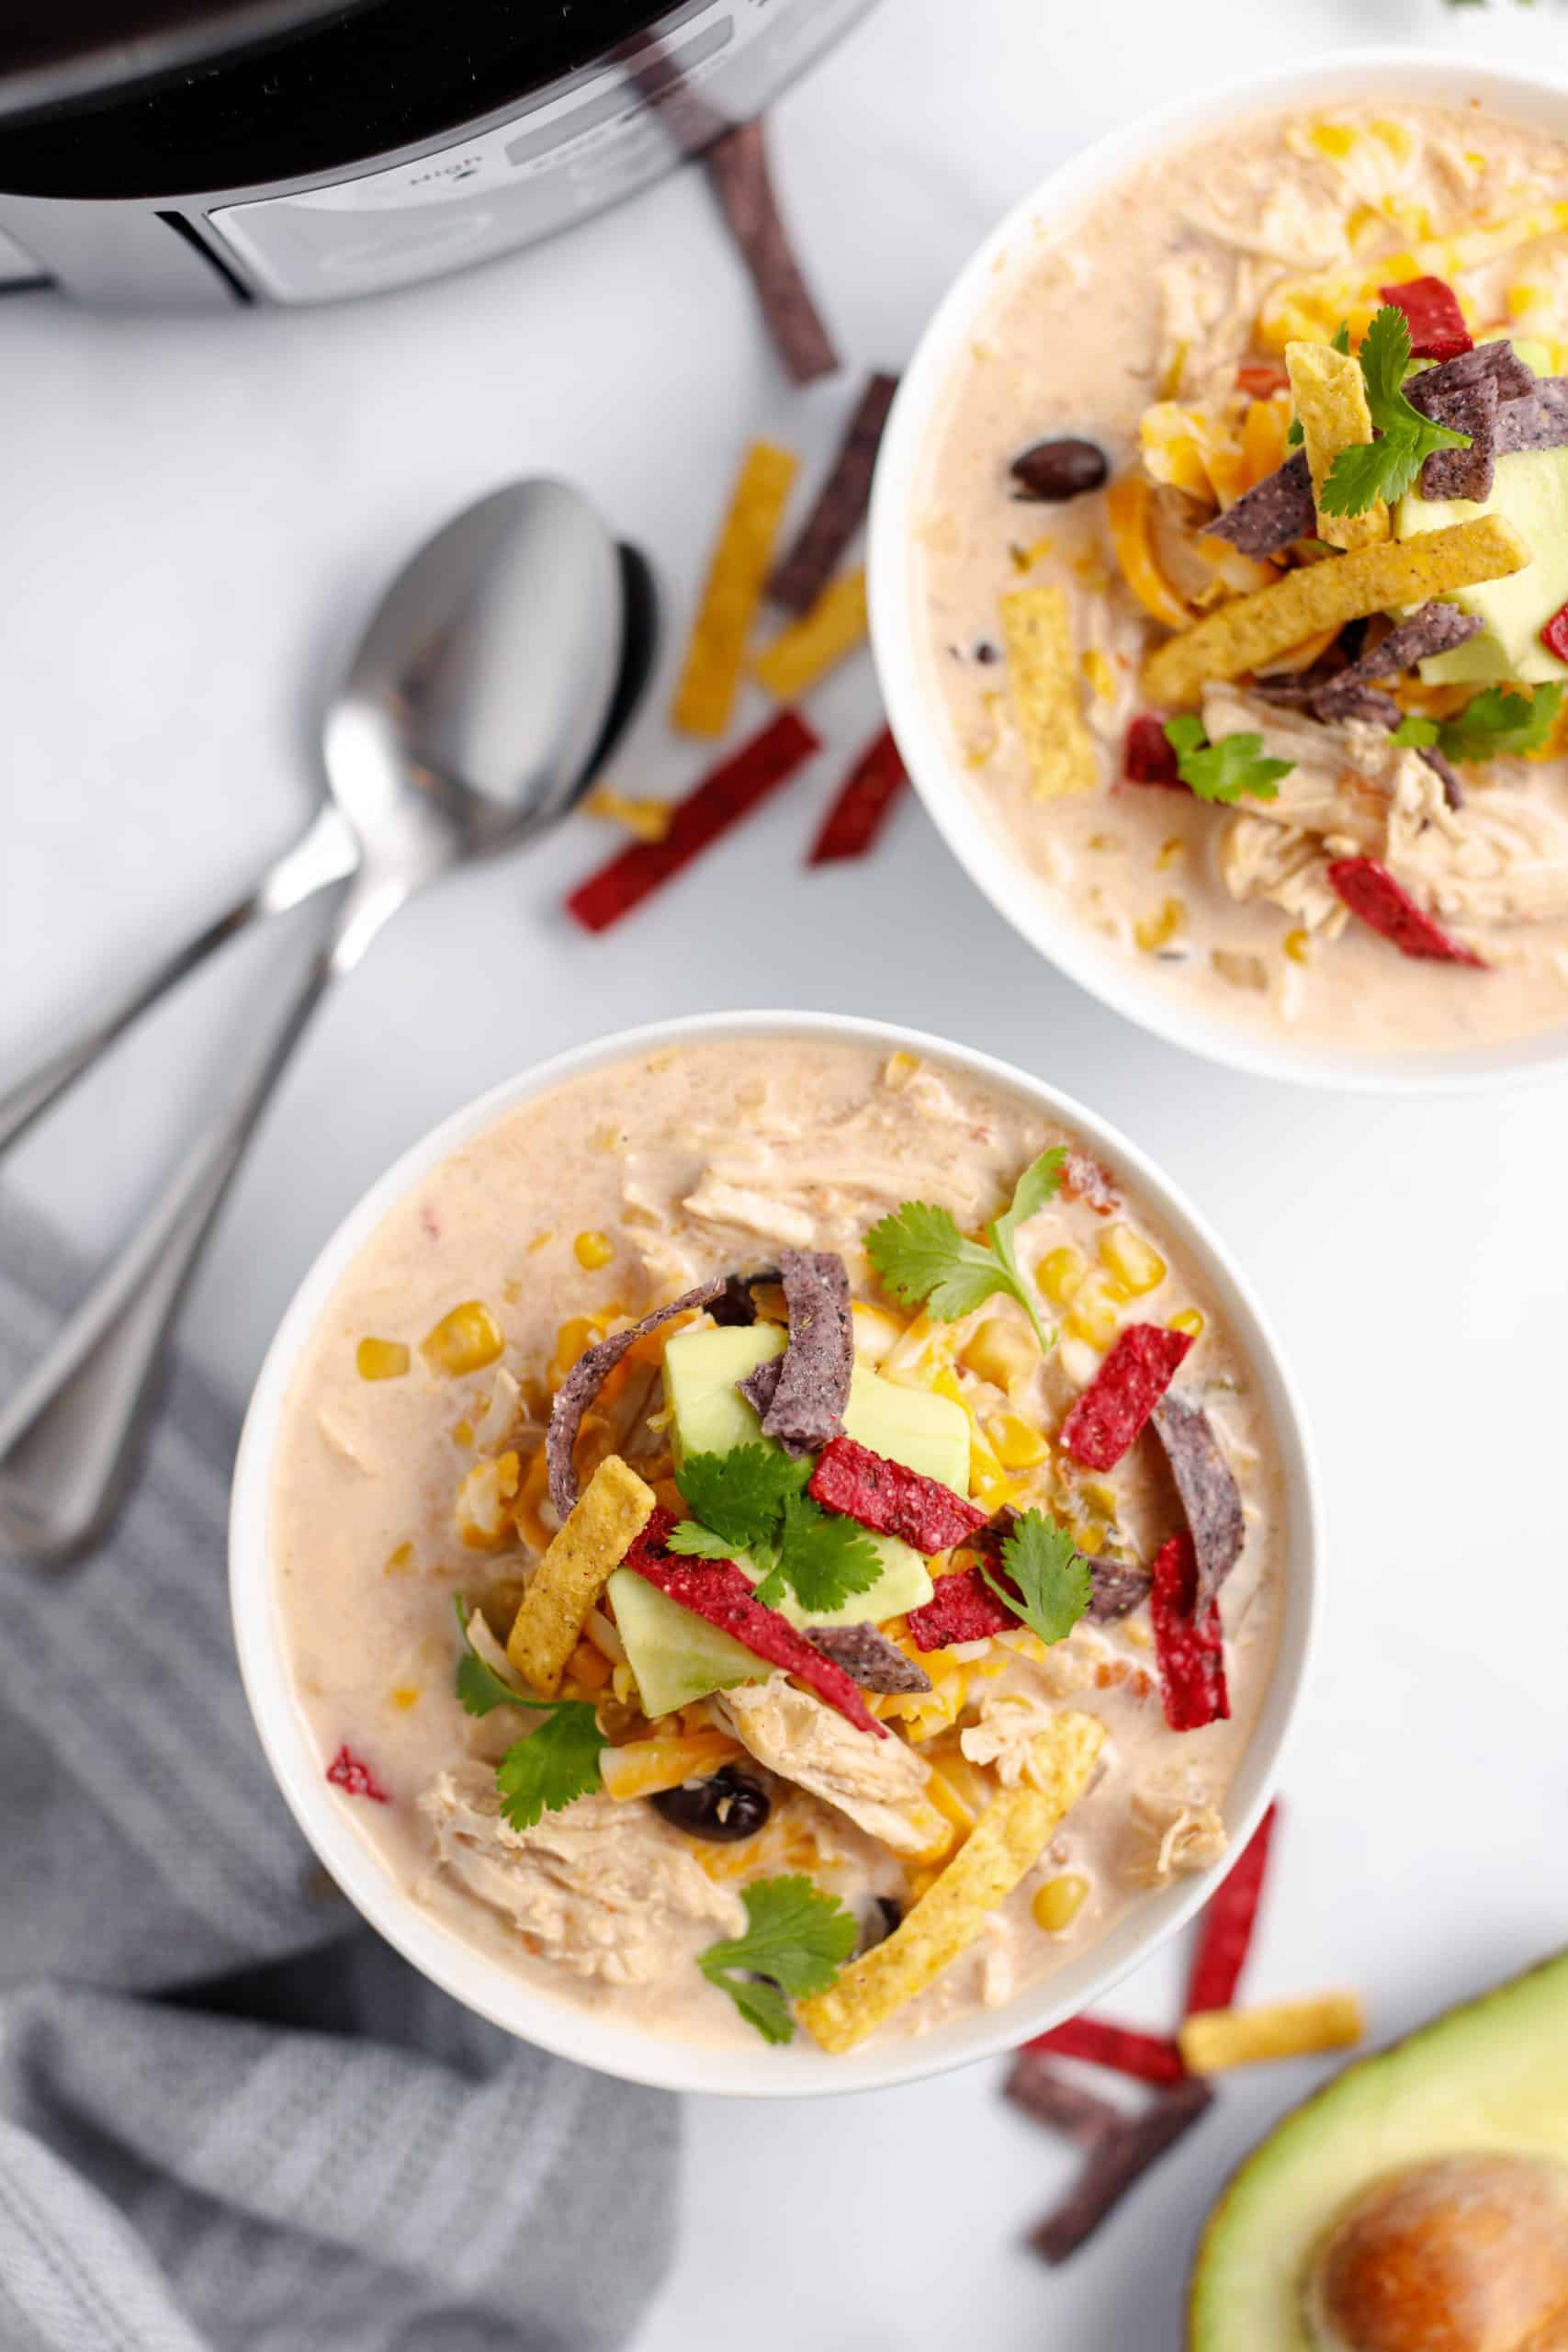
{"x":759,"y":1386}
{"x":1498,"y":362}
{"x":1274,"y":511}
{"x":806,"y":570}
{"x":1464,"y":473}
{"x":1206,"y":1484}
{"x":1116,"y":1586}
{"x":1116,"y":2160}
{"x":1444,"y":770}
{"x":1540,"y":421}
{"x":588,"y":1375}
{"x":806,"y":1410}
{"x":868,"y":1657}
{"x":1043,"y":2091}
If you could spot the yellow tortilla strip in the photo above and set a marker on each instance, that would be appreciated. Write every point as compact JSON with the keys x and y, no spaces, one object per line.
{"x":805,"y":652}
{"x":1330,"y":394}
{"x":1042,"y":673}
{"x":608,"y":1516}
{"x":1212,"y":2040}
{"x":704,"y":698}
{"x":1248,"y":632}
{"x":1005,"y":1843}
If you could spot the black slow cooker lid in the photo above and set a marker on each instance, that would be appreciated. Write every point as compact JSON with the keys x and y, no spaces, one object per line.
{"x":71,"y":49}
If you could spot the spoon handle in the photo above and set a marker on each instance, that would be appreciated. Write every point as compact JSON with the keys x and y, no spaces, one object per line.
{"x":68,"y":1436}
{"x":325,"y":854}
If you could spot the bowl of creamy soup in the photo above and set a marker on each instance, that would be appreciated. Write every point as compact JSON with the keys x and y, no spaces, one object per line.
{"x":774,"y":1555}
{"x":1219,"y":572}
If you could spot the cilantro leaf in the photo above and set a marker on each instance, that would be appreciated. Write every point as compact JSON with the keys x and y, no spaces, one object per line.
{"x":478,"y":1685}
{"x":1052,"y":1576}
{"x":699,"y":1543}
{"x":923,"y":1259}
{"x":1342,"y":336}
{"x":554,"y":1765}
{"x":739,"y":1495}
{"x":825,"y":1556}
{"x":1501,"y":723}
{"x":796,"y":1939}
{"x":1415,"y":730}
{"x":1224,"y":771}
{"x":1294,"y":435}
{"x":1386,"y":466}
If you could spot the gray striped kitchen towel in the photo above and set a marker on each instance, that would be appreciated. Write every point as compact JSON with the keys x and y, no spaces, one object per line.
{"x":229,"y":2116}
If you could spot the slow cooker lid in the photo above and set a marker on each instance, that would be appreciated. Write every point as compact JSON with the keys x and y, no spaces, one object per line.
{"x":52,"y":51}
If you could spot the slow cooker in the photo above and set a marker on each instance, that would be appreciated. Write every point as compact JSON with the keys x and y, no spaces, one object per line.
{"x":208,"y":152}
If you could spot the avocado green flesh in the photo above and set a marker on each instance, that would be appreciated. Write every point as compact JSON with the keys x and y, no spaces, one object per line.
{"x":1491,"y":2076}
{"x":1529,"y":490}
{"x":677,"y":1657}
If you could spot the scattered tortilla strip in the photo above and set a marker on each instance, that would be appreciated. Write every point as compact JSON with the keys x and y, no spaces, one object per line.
{"x":1106,"y":1419}
{"x":1537,"y":421}
{"x":1499,"y":360}
{"x":704,"y":699}
{"x":1005,"y":1841}
{"x":892,"y":1499}
{"x":588,"y":1375}
{"x":1124,"y":2049}
{"x":737,"y":166}
{"x":1045,"y":2093}
{"x":864,"y":804}
{"x":1227,"y":1922}
{"x":727,"y":794}
{"x":810,"y":647}
{"x":1331,"y":406}
{"x":1249,"y":631}
{"x":1206,"y":1483}
{"x":1464,"y":473}
{"x":1042,"y":673}
{"x":1436,"y":325}
{"x":649,"y":819}
{"x":1272,"y":513}
{"x":868,"y":1657}
{"x":610,"y":1514}
{"x":1212,"y":2040}
{"x":1370,"y":890}
{"x":841,"y":502}
{"x":806,"y":1408}
{"x":1120,"y":2161}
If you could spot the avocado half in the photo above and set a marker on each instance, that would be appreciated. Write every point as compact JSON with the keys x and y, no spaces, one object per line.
{"x":1488,"y":2078}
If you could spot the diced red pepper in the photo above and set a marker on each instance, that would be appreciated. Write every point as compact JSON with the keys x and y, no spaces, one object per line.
{"x":863,"y":803}
{"x":892,"y":1499}
{"x":729,"y":792}
{"x":1115,"y":1407}
{"x":1260,"y":378}
{"x":1088,"y":1179}
{"x":1224,"y":1932}
{"x":354,"y":1776}
{"x":1148,"y":757}
{"x":1438,"y":330}
{"x":716,"y":1591}
{"x":1370,"y":892}
{"x":1189,"y":1645}
{"x":1147,"y":2057}
{"x":1554,"y":636}
{"x":963,"y":1608}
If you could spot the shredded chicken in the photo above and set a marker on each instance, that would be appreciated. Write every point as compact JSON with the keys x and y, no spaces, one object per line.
{"x":598,"y":1887}
{"x":1011,"y":1722}
{"x":878,"y":1782}
{"x":1170,"y":1836}
{"x":764,"y":1213}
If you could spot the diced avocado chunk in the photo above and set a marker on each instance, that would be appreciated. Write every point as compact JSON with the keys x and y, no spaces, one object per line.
{"x":675,"y":1655}
{"x":1492,"y":2075}
{"x":702,"y":1372}
{"x":1529,"y":489}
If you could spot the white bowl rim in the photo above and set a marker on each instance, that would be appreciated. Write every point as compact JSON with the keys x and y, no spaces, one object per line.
{"x":1538,"y":95}
{"x":483,"y":1983}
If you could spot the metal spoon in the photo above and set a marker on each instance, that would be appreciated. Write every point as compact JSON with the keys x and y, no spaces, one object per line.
{"x":500,"y":665}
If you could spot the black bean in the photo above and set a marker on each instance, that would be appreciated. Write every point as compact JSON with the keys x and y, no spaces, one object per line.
{"x":879,"y":1920}
{"x":1058,"y":469}
{"x":724,"y":1808}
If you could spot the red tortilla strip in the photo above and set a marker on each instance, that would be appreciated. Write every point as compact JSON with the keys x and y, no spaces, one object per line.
{"x":354,"y":1776}
{"x":1148,"y":757}
{"x":1189,"y":1642}
{"x":1225,"y":1928}
{"x":716,"y":1591}
{"x":737,"y":166}
{"x":864,"y":804}
{"x":1119,"y":2161}
{"x":1438,"y":330}
{"x":1370,"y":892}
{"x":963,"y":1608}
{"x":1115,"y":1407}
{"x":891,"y":1499}
{"x":729,"y":792}
{"x":1554,"y":636}
{"x":841,"y":502}
{"x":1147,"y":2057}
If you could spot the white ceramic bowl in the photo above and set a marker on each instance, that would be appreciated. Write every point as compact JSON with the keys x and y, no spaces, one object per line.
{"x":468,"y":1973}
{"x":909,"y":687}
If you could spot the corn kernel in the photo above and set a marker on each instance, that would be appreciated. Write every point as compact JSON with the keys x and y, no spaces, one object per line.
{"x":399,"y":1561}
{"x":1396,"y":137}
{"x":876,"y":1334}
{"x":404,"y":1696}
{"x":1155,"y":932}
{"x":1137,"y":1267}
{"x":578,"y":1332}
{"x":1088,"y":1537}
{"x":1336,"y":140}
{"x":593,"y":1250}
{"x":1169,"y":852}
{"x":999,"y":1351}
{"x":1015,"y":1444}
{"x":1059,"y":1900}
{"x":1097,"y":669}
{"x":463,"y":1434}
{"x":1060,"y":1272}
{"x":1190,"y":1321}
{"x":465,"y":1341}
{"x":1296,"y":945}
{"x":1100,"y":1499}
{"x":1093,"y":1316}
{"x":899,"y":1070}
{"x":381,"y":1360}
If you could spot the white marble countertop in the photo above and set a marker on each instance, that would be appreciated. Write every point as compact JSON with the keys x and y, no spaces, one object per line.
{"x":197,"y":514}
